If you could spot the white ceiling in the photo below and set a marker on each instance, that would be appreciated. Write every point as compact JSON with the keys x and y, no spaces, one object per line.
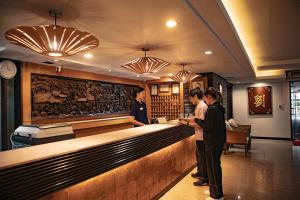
{"x":124,"y":27}
{"x":269,"y":31}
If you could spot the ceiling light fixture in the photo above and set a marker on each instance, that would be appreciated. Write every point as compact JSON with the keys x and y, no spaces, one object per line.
{"x":171,"y":23}
{"x":208,"y":52}
{"x":145,"y":65}
{"x":52,"y":40}
{"x":183,"y":75}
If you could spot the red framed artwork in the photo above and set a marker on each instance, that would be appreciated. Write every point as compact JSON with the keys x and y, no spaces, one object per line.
{"x":260,"y":100}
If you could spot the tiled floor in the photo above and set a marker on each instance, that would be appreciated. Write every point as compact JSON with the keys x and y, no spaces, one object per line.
{"x":270,"y":172}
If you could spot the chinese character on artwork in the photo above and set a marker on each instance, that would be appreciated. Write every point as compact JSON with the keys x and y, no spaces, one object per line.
{"x":260,"y":100}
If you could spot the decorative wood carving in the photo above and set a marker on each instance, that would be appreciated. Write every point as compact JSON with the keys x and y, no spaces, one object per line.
{"x":60,"y":97}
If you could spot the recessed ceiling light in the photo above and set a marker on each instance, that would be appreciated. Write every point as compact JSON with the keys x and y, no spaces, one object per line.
{"x":137,"y":75}
{"x":170,"y":74}
{"x":208,"y":52}
{"x":56,"y":60}
{"x":171,"y":23}
{"x":88,"y":55}
{"x":109,"y":70}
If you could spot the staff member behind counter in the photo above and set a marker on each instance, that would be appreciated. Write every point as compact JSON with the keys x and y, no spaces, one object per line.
{"x":138,"y":108}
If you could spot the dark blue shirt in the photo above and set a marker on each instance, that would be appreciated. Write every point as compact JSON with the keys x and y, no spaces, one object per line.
{"x":139,"y":111}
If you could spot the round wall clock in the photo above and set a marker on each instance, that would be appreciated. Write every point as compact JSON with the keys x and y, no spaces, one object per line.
{"x":8,"y":69}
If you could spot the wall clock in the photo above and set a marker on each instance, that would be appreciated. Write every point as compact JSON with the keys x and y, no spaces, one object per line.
{"x":8,"y":69}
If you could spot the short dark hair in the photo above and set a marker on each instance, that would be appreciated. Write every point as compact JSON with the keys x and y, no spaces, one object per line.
{"x":137,"y":91}
{"x":196,"y":92}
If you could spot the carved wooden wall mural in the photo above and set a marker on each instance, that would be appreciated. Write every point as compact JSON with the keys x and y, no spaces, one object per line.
{"x":57,"y":97}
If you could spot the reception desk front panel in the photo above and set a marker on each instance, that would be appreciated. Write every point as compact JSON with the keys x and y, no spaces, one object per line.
{"x":56,"y":173}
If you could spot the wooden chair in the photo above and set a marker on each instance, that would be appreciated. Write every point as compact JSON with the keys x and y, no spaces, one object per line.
{"x":240,"y":136}
{"x":248,"y":128}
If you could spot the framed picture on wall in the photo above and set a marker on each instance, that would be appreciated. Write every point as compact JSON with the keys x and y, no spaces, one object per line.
{"x":199,"y":84}
{"x":153,"y":90}
{"x":260,"y":100}
{"x":164,"y":87}
{"x":175,"y":88}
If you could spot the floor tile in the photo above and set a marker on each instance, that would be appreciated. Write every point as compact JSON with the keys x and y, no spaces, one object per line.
{"x":271,"y":171}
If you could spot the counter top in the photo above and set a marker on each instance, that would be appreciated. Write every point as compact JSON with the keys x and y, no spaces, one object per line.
{"x":46,"y":168}
{"x":34,"y":153}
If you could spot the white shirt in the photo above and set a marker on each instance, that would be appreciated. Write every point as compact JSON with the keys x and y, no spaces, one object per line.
{"x":200,"y":111}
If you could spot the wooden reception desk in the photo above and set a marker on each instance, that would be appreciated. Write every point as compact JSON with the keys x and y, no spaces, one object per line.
{"x":135,"y":163}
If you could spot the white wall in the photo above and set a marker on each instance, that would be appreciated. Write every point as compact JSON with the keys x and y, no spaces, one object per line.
{"x":276,"y":125}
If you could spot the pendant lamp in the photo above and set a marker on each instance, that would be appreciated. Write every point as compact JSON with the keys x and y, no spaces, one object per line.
{"x":183,"y":75}
{"x":52,"y":40}
{"x":145,"y":65}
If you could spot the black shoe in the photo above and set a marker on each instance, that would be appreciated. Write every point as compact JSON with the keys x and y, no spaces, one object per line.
{"x":196,"y":175}
{"x":201,"y":183}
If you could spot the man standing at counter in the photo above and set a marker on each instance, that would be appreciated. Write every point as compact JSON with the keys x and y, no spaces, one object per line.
{"x":138,"y":108}
{"x":195,"y":97}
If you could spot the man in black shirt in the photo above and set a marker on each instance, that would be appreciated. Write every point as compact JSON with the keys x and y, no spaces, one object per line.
{"x":138,"y":108}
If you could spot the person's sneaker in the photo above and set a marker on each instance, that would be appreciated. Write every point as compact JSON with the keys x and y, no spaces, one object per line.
{"x":201,"y":183}
{"x":196,"y":175}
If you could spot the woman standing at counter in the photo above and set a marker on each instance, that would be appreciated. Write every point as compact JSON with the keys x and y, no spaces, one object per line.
{"x":214,"y":139}
{"x":138,"y":108}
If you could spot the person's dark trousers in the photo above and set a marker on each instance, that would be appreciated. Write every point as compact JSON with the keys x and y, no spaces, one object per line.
{"x":201,"y":160}
{"x":213,"y":155}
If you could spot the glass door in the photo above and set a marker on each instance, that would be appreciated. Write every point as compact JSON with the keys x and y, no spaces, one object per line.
{"x":295,"y":111}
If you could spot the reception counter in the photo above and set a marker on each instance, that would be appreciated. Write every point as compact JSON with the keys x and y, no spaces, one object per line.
{"x":135,"y":163}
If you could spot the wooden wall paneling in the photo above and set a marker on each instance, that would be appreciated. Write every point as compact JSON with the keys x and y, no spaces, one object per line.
{"x":181,"y":97}
{"x":99,"y":130}
{"x":148,"y":99}
{"x":99,"y":123}
{"x":161,"y":80}
{"x":29,"y":68}
{"x":167,"y":80}
{"x":8,"y":112}
{"x":144,"y":178}
{"x":26,"y":93}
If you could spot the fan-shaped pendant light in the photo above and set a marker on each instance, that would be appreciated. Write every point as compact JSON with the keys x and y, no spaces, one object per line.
{"x":52,"y":40}
{"x":145,"y":65}
{"x":183,"y":75}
